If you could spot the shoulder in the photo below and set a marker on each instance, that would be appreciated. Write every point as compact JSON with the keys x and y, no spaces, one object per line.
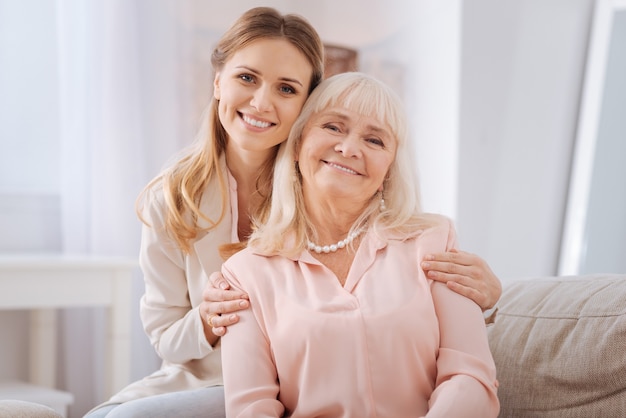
{"x":431,"y":233}
{"x":151,"y":203}
{"x":241,"y":256}
{"x":441,"y":234}
{"x":437,"y":221}
{"x":424,"y":223}
{"x":244,"y":261}
{"x":249,"y":268}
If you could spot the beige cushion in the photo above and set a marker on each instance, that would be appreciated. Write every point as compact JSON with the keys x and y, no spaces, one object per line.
{"x":23,"y":409}
{"x":560,"y":347}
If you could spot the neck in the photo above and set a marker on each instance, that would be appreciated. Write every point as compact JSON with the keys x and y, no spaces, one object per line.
{"x":331,"y":227}
{"x":331,"y":220}
{"x":245,"y":166}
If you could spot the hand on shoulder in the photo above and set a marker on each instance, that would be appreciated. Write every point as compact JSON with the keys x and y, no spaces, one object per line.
{"x":220,"y":304}
{"x":466,"y":274}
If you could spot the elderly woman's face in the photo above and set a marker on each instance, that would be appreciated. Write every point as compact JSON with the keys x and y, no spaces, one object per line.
{"x":344,"y":154}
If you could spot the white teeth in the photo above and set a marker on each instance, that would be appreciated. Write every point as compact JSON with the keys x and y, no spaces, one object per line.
{"x":347,"y":170}
{"x":256,"y":123}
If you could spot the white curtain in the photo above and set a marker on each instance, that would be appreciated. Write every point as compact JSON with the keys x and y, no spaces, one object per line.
{"x":116,"y":89}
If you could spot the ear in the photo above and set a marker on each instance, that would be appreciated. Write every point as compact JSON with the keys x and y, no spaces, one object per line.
{"x":216,"y":86}
{"x":382,"y":185}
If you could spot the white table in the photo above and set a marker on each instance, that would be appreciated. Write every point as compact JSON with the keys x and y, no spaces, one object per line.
{"x":43,"y":283}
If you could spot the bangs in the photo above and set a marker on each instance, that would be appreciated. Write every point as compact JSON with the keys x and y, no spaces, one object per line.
{"x":369,"y":98}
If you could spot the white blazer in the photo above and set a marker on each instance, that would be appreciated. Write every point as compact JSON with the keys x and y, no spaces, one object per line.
{"x":174,"y":282}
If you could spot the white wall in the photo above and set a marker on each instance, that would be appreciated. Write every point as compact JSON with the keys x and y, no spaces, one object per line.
{"x":492,"y":89}
{"x":603,"y":238}
{"x":522,"y":69}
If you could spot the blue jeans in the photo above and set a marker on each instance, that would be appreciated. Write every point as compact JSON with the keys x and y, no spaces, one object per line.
{"x":197,"y":403}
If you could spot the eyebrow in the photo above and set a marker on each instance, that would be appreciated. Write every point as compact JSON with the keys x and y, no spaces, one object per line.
{"x":343,"y":117}
{"x":286,"y":79}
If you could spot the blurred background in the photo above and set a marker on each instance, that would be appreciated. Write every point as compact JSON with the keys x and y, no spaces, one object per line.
{"x":96,"y":95}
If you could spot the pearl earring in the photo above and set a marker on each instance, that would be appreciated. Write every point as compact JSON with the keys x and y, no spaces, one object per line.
{"x":382,"y":203}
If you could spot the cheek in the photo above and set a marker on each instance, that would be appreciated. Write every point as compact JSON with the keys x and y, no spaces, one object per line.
{"x":383,"y":168}
{"x":310,"y":146}
{"x":290,"y":111}
{"x":307,"y":157}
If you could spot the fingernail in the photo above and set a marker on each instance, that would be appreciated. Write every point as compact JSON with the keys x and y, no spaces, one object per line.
{"x":223,"y":285}
{"x":243,"y":303}
{"x":232,"y":317}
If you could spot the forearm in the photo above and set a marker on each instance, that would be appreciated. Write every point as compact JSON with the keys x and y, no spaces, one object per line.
{"x":466,"y":373}
{"x":176,"y":333}
{"x":463,"y":397}
{"x":251,"y":386}
{"x":170,"y":320}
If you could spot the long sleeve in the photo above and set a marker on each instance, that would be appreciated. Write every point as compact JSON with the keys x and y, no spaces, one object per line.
{"x":386,"y":343}
{"x":246,"y":352}
{"x":172,"y":324}
{"x":169,"y":309}
{"x":466,"y":375}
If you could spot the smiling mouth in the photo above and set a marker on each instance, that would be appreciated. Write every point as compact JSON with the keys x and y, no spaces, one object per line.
{"x":342,"y":168}
{"x":256,"y":123}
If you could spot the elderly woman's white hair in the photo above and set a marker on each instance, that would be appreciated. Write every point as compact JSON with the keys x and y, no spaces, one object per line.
{"x":285,"y":228}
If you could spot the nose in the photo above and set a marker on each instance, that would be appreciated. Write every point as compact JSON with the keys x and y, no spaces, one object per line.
{"x":262,"y":99}
{"x":349,"y":146}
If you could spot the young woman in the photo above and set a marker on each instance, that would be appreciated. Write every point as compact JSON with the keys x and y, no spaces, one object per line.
{"x":343,"y":321}
{"x":266,"y":64}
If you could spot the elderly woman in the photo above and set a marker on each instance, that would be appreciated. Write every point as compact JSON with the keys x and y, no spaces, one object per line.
{"x":343,"y":321}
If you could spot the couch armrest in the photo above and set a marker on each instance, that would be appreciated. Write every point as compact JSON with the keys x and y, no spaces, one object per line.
{"x":23,"y":409}
{"x":559,"y":344}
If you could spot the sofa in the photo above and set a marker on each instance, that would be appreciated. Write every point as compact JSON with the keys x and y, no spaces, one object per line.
{"x":559,"y":344}
{"x":10,"y":408}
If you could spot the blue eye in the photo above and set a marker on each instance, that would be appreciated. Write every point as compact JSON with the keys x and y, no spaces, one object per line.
{"x":375,"y":141}
{"x":332,"y":127}
{"x":247,"y":78}
{"x":287,"y":89}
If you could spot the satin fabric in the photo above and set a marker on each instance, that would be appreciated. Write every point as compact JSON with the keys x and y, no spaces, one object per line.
{"x":389,"y":343}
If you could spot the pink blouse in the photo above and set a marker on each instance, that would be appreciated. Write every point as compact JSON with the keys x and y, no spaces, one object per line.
{"x":389,"y":343}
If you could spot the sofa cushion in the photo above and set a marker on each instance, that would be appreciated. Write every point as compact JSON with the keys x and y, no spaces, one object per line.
{"x":22,"y":409}
{"x":559,"y":344}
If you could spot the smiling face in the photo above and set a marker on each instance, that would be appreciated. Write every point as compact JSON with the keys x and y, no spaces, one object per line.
{"x":344,"y":157}
{"x":261,"y":90}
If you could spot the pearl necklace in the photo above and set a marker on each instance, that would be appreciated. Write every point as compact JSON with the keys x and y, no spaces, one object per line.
{"x":334,"y":247}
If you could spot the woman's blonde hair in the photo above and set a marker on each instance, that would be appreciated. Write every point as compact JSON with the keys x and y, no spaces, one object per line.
{"x":185,"y":181}
{"x":287,"y":217}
